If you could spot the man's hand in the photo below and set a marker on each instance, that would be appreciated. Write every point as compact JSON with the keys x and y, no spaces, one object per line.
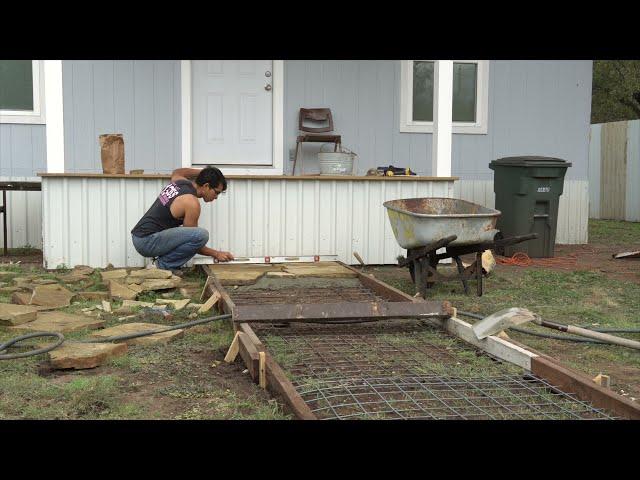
{"x":222,"y":256}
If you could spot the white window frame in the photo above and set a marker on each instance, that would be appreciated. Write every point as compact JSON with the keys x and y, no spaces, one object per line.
{"x":479,"y":127}
{"x":37,"y":115}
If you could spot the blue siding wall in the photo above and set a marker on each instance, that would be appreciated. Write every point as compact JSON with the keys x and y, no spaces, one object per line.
{"x":140,"y":99}
{"x":535,"y":107}
{"x":23,"y":150}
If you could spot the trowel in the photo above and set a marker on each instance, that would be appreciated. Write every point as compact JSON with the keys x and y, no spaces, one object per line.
{"x":510,"y":317}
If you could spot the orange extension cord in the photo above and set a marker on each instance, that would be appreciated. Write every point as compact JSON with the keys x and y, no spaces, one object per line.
{"x":521,"y":259}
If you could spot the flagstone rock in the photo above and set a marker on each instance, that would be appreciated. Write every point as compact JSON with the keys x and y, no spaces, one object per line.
{"x":16,"y":314}
{"x":83,"y":270}
{"x":113,"y":274}
{"x":160,"y":284}
{"x":177,"y":304}
{"x":120,"y":291}
{"x":60,"y":322}
{"x":54,"y":296}
{"x":21,"y":298}
{"x":151,"y":273}
{"x":79,"y":356}
{"x":9,"y":289}
{"x":91,"y":296}
{"x":127,"y":328}
{"x":74,"y":278}
{"x":44,"y":281}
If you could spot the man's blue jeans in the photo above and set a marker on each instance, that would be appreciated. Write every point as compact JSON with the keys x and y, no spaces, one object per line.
{"x":173,"y":247}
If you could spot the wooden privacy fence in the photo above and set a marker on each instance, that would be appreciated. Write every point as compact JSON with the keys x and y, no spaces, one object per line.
{"x":614,"y":171}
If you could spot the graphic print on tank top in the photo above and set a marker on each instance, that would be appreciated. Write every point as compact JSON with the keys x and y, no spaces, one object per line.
{"x":169,"y":192}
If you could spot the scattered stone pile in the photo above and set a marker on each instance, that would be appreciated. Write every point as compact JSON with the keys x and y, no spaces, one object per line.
{"x":36,"y":299}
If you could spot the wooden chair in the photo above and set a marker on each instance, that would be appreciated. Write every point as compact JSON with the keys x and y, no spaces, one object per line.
{"x":315,"y":134}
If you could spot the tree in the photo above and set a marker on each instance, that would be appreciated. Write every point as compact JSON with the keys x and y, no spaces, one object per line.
{"x":615,"y":91}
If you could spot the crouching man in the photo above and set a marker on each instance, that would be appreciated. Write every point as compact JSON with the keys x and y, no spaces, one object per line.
{"x":169,"y":231}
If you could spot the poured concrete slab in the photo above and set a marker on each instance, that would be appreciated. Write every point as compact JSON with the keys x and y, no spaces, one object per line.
{"x":242,"y":274}
{"x":127,"y":328}
{"x":11,"y":314}
{"x":319,"y":269}
{"x":84,"y":355}
{"x":60,"y":322}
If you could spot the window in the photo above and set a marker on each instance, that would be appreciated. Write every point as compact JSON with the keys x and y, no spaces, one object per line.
{"x":470,"y":96}
{"x":21,"y":91}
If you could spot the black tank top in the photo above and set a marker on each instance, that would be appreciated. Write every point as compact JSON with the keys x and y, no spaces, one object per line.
{"x":159,"y":217}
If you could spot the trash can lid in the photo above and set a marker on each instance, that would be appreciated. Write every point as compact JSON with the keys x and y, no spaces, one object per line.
{"x":530,"y":161}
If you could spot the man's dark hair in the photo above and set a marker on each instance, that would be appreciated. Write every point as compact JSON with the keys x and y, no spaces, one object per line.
{"x":213,"y":176}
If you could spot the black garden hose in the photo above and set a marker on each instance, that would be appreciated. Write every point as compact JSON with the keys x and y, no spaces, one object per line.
{"x":60,"y":337}
{"x":569,"y":338}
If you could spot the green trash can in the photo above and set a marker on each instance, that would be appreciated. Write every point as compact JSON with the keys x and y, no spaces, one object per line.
{"x":527,"y":192}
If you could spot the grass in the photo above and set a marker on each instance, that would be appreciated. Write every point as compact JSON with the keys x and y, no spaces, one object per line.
{"x":162,"y":381}
{"x":583,"y":298}
{"x":614,"y":231}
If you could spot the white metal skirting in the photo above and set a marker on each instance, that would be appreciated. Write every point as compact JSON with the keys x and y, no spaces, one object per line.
{"x":24,"y":216}
{"x":87,"y":220}
{"x":573,"y":211}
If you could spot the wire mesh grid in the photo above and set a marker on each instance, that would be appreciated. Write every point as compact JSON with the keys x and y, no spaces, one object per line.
{"x":411,"y":370}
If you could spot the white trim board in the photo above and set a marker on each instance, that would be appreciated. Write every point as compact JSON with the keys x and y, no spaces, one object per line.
{"x":278,"y":123}
{"x":55,"y":115}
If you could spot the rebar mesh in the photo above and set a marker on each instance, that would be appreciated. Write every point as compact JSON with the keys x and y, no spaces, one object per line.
{"x":410,"y":370}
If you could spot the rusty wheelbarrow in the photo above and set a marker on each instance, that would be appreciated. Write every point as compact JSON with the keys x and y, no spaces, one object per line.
{"x":424,"y":225}
{"x":417,"y":222}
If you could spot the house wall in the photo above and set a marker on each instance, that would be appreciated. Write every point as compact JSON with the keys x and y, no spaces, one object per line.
{"x":140,"y":99}
{"x":535,"y":108}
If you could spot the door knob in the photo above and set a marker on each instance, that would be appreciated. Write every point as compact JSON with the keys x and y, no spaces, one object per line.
{"x":267,"y":87}
{"x":267,"y":74}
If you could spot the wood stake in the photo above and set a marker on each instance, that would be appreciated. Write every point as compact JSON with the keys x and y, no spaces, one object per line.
{"x":208,"y":305}
{"x":204,"y":290}
{"x":262,"y":371}
{"x":234,"y":348}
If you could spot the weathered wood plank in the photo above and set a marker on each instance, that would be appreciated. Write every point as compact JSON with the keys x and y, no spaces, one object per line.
{"x":584,"y":388}
{"x":613,"y":171}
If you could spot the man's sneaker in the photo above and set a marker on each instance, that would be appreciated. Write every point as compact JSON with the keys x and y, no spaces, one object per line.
{"x":178,"y":273}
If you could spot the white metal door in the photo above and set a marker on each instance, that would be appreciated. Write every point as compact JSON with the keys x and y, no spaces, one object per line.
{"x":232,"y":112}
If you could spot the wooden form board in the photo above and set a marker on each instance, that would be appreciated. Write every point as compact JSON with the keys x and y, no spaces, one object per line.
{"x":540,"y":365}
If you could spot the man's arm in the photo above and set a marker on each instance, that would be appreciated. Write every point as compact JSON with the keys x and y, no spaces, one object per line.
{"x":191,"y":216}
{"x":185,"y":174}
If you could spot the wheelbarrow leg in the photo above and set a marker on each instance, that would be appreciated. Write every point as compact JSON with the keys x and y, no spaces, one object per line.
{"x":462,"y":274}
{"x":418,"y":278}
{"x":479,"y":272}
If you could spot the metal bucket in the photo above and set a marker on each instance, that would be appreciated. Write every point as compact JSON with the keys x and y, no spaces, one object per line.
{"x":336,"y":163}
{"x":417,"y":222}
